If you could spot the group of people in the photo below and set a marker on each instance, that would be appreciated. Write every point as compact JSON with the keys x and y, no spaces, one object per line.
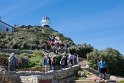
{"x":72,"y":59}
{"x":54,"y":63}
{"x":57,"y":43}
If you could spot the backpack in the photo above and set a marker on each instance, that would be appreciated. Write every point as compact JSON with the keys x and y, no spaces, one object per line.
{"x":63,"y":61}
{"x":12,"y":60}
{"x":46,"y":61}
{"x":102,"y":64}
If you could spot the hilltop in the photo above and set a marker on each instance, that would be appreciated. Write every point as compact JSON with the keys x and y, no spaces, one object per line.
{"x":29,"y":37}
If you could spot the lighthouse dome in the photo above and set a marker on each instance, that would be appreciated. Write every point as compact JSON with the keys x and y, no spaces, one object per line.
{"x":45,"y":21}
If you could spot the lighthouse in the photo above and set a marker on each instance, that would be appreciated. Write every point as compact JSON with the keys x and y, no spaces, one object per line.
{"x":45,"y":21}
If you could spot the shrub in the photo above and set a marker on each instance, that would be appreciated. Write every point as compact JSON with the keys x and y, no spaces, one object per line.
{"x":30,"y":60}
{"x":3,"y":60}
{"x":81,"y":49}
{"x":37,"y":58}
{"x":113,"y":58}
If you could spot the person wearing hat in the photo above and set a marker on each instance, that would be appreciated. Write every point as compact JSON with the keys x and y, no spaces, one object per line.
{"x":12,"y":62}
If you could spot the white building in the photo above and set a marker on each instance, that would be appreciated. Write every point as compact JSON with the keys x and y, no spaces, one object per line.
{"x":5,"y":27}
{"x":45,"y":21}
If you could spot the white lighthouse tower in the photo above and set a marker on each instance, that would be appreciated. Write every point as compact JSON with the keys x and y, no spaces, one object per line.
{"x":45,"y":21}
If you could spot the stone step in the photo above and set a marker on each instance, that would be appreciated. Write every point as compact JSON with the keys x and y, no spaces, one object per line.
{"x":106,"y":81}
{"x":111,"y":81}
{"x":83,"y":81}
{"x":92,"y":81}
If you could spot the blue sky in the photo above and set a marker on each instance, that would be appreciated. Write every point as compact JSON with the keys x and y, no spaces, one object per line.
{"x":96,"y":22}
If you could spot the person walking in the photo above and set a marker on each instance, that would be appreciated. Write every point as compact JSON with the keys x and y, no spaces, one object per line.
{"x":76,"y":59}
{"x":66,"y":59}
{"x":63,"y":62}
{"x":12,"y":62}
{"x":54,"y":62}
{"x":71,"y":59}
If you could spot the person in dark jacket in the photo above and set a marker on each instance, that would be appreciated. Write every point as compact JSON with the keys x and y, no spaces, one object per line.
{"x":12,"y":62}
{"x":62,"y":62}
{"x":54,"y":62}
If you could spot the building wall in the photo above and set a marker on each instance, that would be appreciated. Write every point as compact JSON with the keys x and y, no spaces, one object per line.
{"x":4,"y":27}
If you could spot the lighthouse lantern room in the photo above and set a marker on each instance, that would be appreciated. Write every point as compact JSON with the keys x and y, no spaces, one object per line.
{"x":45,"y":21}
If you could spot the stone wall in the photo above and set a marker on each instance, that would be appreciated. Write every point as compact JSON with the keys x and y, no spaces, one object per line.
{"x":16,"y":51}
{"x":58,"y":76}
{"x":9,"y":77}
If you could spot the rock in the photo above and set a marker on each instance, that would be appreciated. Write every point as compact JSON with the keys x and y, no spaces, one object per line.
{"x":87,"y":66}
{"x":113,"y":78}
{"x":2,"y":70}
{"x":81,"y":74}
{"x":100,"y":81}
{"x":95,"y":78}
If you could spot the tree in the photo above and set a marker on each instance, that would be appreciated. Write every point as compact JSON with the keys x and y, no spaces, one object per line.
{"x":82,"y":49}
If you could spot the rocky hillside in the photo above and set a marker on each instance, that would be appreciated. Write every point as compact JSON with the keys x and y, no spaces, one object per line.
{"x":29,"y":37}
{"x":36,"y":37}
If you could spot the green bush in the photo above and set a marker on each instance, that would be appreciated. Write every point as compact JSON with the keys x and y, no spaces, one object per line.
{"x":121,"y":82}
{"x":34,"y":60}
{"x":29,"y":65}
{"x":37,"y":58}
{"x":113,"y":58}
{"x":3,"y":59}
{"x":82,"y":49}
{"x":58,"y":58}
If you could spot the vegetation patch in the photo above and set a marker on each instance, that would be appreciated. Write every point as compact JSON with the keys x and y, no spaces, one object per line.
{"x":121,"y":82}
{"x":82,"y":74}
{"x":113,"y":58}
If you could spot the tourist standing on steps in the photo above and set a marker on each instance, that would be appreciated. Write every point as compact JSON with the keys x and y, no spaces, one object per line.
{"x":54,"y":62}
{"x":66,"y":59}
{"x":47,"y":63}
{"x":76,"y":59}
{"x":102,"y":67}
{"x":55,"y":50}
{"x":63,"y":62}
{"x":71,"y":59}
{"x":12,"y":62}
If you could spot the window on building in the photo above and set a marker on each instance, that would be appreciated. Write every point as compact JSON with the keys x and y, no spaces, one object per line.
{"x":7,"y":29}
